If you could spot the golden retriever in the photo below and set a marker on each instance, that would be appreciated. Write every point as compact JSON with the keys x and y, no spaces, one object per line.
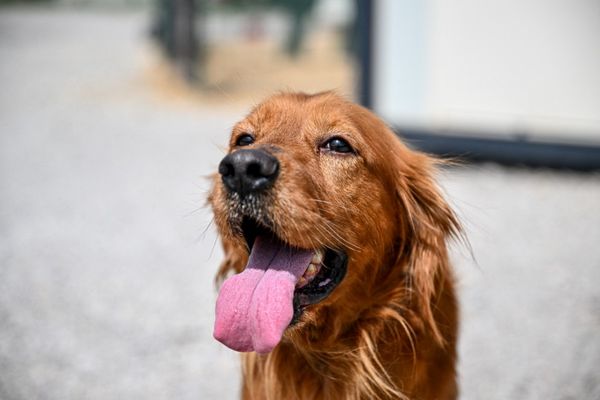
{"x":337,"y":235}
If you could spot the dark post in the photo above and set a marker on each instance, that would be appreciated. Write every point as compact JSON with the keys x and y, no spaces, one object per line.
{"x":175,"y":30}
{"x":185,"y":42}
{"x":364,"y":28}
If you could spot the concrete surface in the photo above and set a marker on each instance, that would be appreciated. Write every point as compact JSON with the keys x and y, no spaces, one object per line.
{"x":106,"y":262}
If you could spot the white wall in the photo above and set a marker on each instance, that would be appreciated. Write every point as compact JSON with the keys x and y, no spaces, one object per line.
{"x":530,"y":66}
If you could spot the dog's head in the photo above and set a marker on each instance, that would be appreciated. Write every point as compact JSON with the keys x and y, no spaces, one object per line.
{"x":328,"y":211}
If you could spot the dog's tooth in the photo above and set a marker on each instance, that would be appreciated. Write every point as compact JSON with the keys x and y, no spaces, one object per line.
{"x":311,"y":270}
{"x":317,"y":257}
{"x":301,"y":282}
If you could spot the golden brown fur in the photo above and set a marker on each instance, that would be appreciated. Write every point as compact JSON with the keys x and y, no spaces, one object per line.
{"x":389,"y":330}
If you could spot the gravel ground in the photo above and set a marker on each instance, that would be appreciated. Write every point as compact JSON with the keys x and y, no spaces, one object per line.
{"x":106,"y":262}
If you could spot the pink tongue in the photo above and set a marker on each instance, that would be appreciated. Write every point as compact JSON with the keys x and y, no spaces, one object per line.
{"x":255,"y":306}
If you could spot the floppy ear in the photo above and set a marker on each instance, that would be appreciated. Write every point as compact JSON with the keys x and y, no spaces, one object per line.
{"x":427,"y":222}
{"x":235,"y":258}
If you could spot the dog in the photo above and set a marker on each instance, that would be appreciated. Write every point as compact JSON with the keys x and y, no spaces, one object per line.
{"x":336,"y":235}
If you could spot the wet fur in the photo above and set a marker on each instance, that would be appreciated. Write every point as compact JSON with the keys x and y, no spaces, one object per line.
{"x":389,"y":330}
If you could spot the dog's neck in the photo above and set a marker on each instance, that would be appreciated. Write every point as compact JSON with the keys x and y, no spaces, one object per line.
{"x":376,"y":357}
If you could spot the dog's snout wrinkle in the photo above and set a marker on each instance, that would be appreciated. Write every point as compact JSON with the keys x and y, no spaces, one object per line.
{"x":248,"y":171}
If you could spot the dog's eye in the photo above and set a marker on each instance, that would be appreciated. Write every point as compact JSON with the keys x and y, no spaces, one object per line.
{"x":337,"y":145}
{"x":244,"y":140}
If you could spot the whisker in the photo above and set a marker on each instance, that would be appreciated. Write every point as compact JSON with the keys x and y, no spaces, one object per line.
{"x":331,"y":204}
{"x":325,"y":228}
{"x":212,"y":220}
{"x":193,"y":211}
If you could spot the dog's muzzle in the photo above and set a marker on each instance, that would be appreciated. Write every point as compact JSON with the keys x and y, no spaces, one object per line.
{"x":248,"y":171}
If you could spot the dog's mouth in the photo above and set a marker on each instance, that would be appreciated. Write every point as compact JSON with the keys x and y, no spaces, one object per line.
{"x":323,"y":274}
{"x":279,"y":282}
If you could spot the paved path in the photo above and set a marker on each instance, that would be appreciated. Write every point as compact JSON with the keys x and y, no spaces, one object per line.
{"x":106,"y":268}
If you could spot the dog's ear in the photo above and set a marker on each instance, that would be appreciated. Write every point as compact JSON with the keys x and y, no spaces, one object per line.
{"x":427,"y":222}
{"x":235,"y":258}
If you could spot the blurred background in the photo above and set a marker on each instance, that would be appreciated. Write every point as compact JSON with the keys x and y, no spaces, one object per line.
{"x":114,"y":112}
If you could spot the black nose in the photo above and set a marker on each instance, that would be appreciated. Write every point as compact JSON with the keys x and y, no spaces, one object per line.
{"x":248,"y":171}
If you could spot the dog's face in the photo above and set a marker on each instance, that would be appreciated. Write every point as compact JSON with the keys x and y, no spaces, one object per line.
{"x":321,"y":174}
